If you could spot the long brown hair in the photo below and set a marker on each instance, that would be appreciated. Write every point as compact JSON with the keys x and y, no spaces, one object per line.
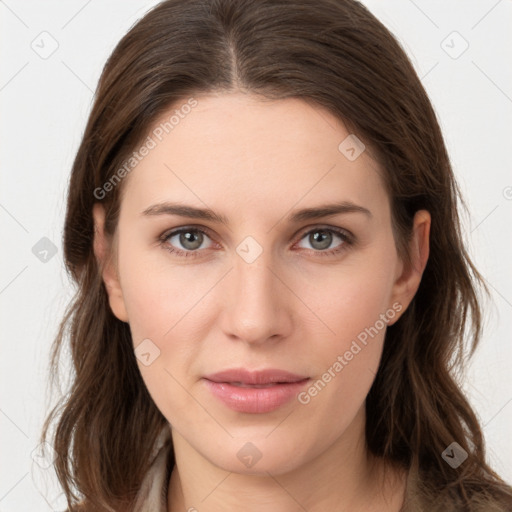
{"x":337,"y":55}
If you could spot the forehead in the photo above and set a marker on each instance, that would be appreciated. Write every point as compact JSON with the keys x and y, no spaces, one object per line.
{"x":238,"y":151}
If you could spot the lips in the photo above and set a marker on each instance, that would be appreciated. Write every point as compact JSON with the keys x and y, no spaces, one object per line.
{"x":254,"y":391}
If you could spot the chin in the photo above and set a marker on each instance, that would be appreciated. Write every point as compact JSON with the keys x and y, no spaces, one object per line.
{"x":259,"y":456}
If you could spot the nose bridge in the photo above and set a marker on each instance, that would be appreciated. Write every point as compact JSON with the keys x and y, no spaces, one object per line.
{"x":256,"y":308}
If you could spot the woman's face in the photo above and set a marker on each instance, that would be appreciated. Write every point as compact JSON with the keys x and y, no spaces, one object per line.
{"x":286,"y":264}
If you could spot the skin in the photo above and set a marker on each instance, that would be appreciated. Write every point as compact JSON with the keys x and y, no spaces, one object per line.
{"x":256,"y":162}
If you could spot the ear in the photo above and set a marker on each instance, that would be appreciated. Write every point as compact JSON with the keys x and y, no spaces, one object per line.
{"x":104,"y":252}
{"x":409,"y":276}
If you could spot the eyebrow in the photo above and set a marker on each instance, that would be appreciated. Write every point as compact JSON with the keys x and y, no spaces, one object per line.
{"x":325,"y":210}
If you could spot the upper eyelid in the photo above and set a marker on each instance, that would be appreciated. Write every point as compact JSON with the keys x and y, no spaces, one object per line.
{"x":336,"y":229}
{"x":175,"y":231}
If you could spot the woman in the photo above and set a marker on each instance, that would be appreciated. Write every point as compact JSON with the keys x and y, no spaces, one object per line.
{"x":291,"y":346}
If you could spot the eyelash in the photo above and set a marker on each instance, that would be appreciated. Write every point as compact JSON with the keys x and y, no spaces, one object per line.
{"x":347,"y":238}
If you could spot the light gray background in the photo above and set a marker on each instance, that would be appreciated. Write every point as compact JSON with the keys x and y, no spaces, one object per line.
{"x":45,"y":100}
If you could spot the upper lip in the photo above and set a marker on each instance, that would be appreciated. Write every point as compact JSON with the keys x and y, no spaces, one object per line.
{"x":244,"y":376}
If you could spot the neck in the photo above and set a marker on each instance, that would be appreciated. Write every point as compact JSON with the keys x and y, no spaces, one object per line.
{"x":344,"y":478}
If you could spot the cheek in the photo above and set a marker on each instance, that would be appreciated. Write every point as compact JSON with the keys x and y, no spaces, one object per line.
{"x":168,"y":317}
{"x":349,"y":298}
{"x":347,"y":360}
{"x":163,"y":324}
{"x":354,"y":305}
{"x":157,"y":295}
{"x":347,"y":356}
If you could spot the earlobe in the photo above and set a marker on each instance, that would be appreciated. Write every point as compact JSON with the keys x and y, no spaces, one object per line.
{"x":103,"y":252}
{"x":409,"y":278}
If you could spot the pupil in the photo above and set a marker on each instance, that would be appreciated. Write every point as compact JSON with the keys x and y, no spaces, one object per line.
{"x":322,"y":239}
{"x":191,"y":239}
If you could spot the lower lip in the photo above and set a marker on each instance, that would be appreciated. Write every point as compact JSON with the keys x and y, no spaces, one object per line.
{"x":255,"y":400}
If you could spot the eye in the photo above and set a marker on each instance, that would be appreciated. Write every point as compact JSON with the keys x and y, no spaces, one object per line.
{"x":185,"y":241}
{"x":321,"y":240}
{"x":189,"y":241}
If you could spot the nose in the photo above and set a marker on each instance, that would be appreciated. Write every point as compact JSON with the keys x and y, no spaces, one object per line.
{"x":257,"y":304}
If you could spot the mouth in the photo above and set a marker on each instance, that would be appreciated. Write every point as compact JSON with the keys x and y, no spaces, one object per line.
{"x":255,"y":392}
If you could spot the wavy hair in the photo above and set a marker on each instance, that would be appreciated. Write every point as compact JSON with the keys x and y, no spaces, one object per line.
{"x":333,"y":53}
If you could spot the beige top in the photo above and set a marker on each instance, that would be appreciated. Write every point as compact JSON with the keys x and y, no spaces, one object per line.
{"x":152,"y":496}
